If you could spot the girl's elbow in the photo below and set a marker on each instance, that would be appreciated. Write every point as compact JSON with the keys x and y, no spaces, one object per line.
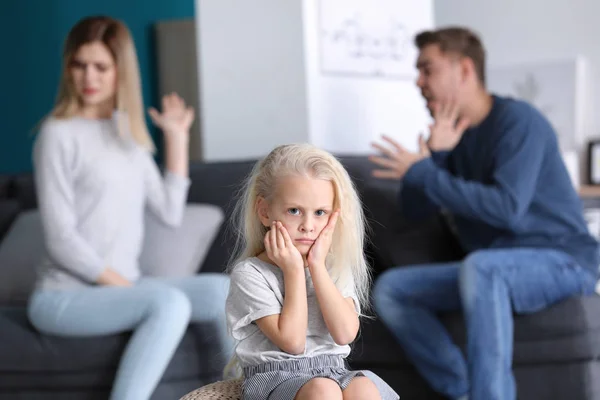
{"x":344,"y":340}
{"x":172,"y":220}
{"x":345,"y":337}
{"x":294,"y":347}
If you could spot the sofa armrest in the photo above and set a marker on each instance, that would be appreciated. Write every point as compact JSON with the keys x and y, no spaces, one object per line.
{"x":22,"y":189}
{"x":9,"y":209}
{"x":4,"y":186}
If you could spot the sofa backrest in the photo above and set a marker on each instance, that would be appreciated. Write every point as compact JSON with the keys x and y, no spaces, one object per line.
{"x":392,"y":240}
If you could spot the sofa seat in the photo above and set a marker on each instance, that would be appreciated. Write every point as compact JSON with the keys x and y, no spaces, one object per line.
{"x":50,"y":363}
{"x":566,"y":331}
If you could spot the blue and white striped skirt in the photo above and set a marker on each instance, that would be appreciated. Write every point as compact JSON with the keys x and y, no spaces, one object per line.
{"x":281,"y":380}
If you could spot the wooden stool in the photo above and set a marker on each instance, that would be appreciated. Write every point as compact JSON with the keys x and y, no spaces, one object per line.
{"x":222,"y":390}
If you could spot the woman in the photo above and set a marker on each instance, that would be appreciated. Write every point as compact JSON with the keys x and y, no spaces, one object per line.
{"x":95,"y":175}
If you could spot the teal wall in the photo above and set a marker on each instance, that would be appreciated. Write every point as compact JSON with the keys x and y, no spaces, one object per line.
{"x":31,"y":37}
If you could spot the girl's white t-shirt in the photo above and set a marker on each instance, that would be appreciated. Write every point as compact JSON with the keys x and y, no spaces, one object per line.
{"x":256,"y":291}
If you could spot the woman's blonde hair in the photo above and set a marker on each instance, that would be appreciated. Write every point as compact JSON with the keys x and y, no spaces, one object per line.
{"x":115,"y":35}
{"x":346,"y":261}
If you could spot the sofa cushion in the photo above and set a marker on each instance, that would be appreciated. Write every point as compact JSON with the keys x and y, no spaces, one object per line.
{"x":566,"y":331}
{"x":219,"y":183}
{"x":397,"y":241}
{"x":175,"y":252}
{"x":30,"y":359}
{"x":166,"y":251}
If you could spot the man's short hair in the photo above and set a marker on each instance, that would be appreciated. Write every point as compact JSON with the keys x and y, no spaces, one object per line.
{"x":457,"y":40}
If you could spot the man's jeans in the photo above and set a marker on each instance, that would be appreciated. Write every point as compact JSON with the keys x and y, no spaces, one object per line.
{"x":487,"y":286}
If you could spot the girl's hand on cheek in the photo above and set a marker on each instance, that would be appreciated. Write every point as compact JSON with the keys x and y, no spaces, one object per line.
{"x":281,"y":250}
{"x":319,"y":249}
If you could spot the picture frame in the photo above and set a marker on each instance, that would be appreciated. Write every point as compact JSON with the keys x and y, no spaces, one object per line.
{"x":594,"y":162}
{"x":555,"y":86}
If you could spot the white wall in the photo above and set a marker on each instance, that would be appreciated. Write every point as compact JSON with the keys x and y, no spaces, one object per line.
{"x":347,"y":113}
{"x":252,"y":80}
{"x":261,"y":85}
{"x":531,"y":30}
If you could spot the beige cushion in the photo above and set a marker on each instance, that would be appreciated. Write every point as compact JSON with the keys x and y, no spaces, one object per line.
{"x":167,"y":252}
{"x":178,"y":252}
{"x":222,"y":390}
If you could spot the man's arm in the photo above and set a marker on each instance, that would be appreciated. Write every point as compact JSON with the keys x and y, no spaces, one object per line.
{"x":440,"y":158}
{"x":414,"y":204}
{"x":517,"y":159}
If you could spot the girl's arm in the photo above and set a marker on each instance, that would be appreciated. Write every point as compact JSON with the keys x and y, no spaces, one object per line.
{"x":287,"y":329}
{"x":338,"y":312}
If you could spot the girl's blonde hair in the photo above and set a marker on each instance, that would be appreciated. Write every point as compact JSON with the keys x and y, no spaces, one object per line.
{"x":346,"y":261}
{"x":115,"y":35}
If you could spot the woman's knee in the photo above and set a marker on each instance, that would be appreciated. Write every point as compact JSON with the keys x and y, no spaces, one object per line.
{"x":168,"y":301}
{"x":209,"y":291}
{"x":38,"y":312}
{"x":218,"y":284}
{"x":320,"y":388}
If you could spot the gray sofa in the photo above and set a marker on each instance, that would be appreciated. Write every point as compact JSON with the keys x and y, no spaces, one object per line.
{"x":556,"y":353}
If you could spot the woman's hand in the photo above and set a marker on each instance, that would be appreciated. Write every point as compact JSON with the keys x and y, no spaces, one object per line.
{"x":281,"y":250}
{"x":175,"y":119}
{"x":110,"y":277}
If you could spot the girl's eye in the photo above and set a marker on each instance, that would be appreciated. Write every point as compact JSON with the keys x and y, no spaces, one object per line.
{"x":320,"y":213}
{"x":294,"y":211}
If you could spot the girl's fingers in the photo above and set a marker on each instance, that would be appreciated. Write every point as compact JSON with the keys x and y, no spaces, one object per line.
{"x":286,"y":237}
{"x":333,"y":221}
{"x":280,"y":239}
{"x":273,"y":237}
{"x":267,"y":242}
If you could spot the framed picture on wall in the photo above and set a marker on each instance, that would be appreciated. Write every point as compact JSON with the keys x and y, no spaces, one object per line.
{"x":594,"y":162}
{"x":556,"y":87}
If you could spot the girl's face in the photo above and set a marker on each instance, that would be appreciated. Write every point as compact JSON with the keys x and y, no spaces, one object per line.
{"x":303,"y":205}
{"x":94,"y":76}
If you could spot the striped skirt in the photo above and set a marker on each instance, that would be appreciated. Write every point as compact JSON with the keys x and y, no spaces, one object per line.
{"x":281,"y":380}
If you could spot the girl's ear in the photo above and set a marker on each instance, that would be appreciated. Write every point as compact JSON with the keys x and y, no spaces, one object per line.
{"x":262,"y":208}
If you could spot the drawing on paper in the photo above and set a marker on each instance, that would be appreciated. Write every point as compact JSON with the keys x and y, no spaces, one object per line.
{"x":369,"y":38}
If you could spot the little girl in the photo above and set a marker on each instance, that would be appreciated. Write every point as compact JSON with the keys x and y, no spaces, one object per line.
{"x":300,"y":281}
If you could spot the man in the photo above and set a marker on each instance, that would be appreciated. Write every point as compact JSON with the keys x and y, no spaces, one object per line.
{"x":493,"y":164}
